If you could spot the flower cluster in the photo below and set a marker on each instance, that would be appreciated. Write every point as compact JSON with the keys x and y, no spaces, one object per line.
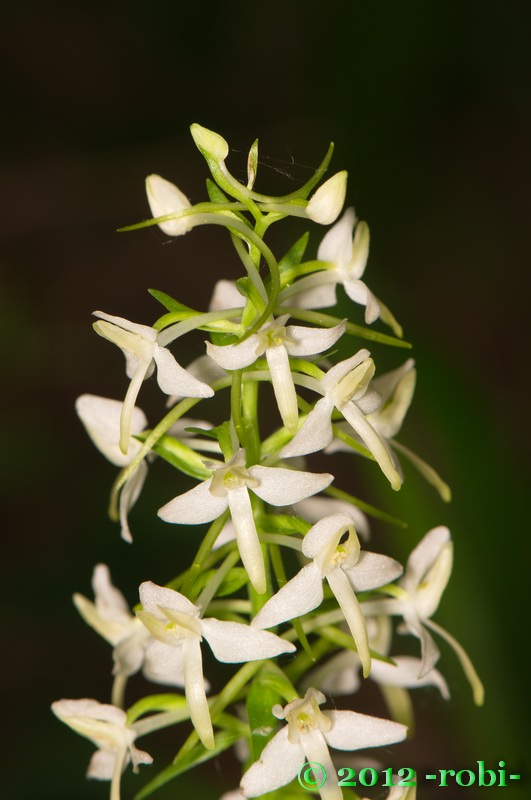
{"x":280,"y":583}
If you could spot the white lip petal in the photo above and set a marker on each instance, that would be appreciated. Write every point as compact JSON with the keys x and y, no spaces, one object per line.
{"x":194,"y":689}
{"x":351,"y":608}
{"x":247,"y":537}
{"x":279,"y":367}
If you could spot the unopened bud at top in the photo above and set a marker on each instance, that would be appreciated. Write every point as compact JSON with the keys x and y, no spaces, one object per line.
{"x":327,"y":202}
{"x":211,"y":144}
{"x":165,"y":198}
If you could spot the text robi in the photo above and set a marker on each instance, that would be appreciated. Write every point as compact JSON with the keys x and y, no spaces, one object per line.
{"x":468,"y":777}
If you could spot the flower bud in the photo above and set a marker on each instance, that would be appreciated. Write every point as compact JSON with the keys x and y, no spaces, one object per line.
{"x":327,"y":202}
{"x":210,"y":144}
{"x":165,"y":198}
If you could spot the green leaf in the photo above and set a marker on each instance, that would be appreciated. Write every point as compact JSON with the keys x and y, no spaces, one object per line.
{"x":170,"y":303}
{"x":234,"y":580}
{"x":295,"y":254}
{"x":155,"y":702}
{"x":260,"y":701}
{"x":182,"y":457}
{"x":222,"y":741}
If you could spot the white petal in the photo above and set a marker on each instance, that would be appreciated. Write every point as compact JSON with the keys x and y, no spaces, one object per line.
{"x":195,"y":506}
{"x":111,"y":629}
{"x":101,"y":418}
{"x":281,"y":487}
{"x":360,"y":251}
{"x":372,"y":570}
{"x":352,"y":731}
{"x":128,"y":655}
{"x":298,"y":596}
{"x":152,"y":596}
{"x":279,"y":763}
{"x":424,"y":556}
{"x":315,"y":433}
{"x":129,"y":405}
{"x":339,"y":371}
{"x":143,"y":331}
{"x":351,"y":608}
{"x":429,"y":651}
{"x":323,"y":533}
{"x":322,"y":295}
{"x":336,"y":245}
{"x":129,"y":495}
{"x":313,"y":508}
{"x":247,"y":537}
{"x":373,"y":442}
{"x":173,"y":379}
{"x":279,"y":367}
{"x":360,"y":293}
{"x":235,"y":356}
{"x":164,"y":664}
{"x":326,"y":204}
{"x":232,"y":642}
{"x":225,"y":295}
{"x":406,"y":674}
{"x":339,"y":675}
{"x":195,"y":692}
{"x":110,"y":602}
{"x":165,"y":198}
{"x":310,"y":341}
{"x":101,"y":765}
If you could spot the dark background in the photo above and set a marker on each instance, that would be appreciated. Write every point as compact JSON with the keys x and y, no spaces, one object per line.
{"x":428,"y":104}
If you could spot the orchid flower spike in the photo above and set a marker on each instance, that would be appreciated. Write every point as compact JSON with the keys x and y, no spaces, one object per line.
{"x":101,"y":418}
{"x":278,"y":342}
{"x":142,"y":352}
{"x":346,"y":386}
{"x":346,"y":569}
{"x":165,"y":198}
{"x":418,"y":596}
{"x":175,"y":621}
{"x":106,"y":726}
{"x":306,"y":738}
{"x":229,"y":487}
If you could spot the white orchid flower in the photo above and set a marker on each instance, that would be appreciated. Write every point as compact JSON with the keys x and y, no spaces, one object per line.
{"x":347,"y":258}
{"x":396,"y":388}
{"x":101,"y":419}
{"x":418,"y":596}
{"x":277,"y":342}
{"x":347,"y":571}
{"x":229,"y":487}
{"x":142,"y":352}
{"x":165,"y":198}
{"x":325,"y":205}
{"x":109,"y":615}
{"x":106,"y":726}
{"x":175,"y":621}
{"x":346,"y":386}
{"x":306,"y":738}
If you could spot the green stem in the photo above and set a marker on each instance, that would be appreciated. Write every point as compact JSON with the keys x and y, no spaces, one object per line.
{"x":203,"y":553}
